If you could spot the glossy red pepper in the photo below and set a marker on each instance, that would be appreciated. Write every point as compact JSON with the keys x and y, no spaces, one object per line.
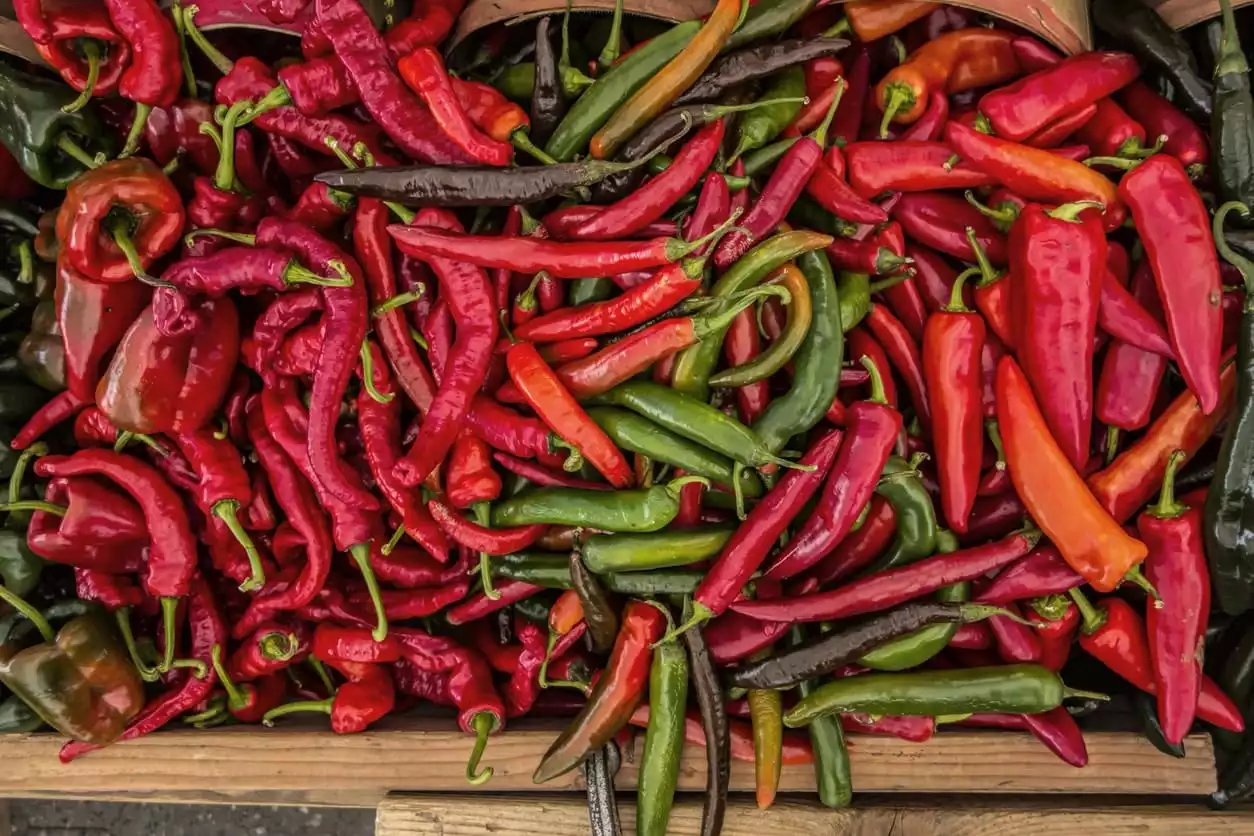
{"x":940,"y":221}
{"x":908,"y":166}
{"x":1184,"y":139}
{"x":1127,"y":386}
{"x":1041,"y":573}
{"x":860,"y":547}
{"x":904,"y":355}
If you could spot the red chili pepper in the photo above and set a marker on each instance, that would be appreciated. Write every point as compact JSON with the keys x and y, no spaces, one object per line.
{"x":1176,"y":618}
{"x":479,"y":605}
{"x":862,"y":344}
{"x":952,"y":345}
{"x":113,"y":592}
{"x":781,"y":191}
{"x":886,"y":589}
{"x":1019,"y":110}
{"x":556,"y":406}
{"x":1114,"y":634}
{"x":933,"y":277}
{"x":733,"y":637}
{"x":742,"y":344}
{"x":155,"y":74}
{"x":471,"y":478}
{"x":749,"y":546}
{"x":1184,"y":139}
{"x":908,"y":166}
{"x":491,"y":541}
{"x":1124,"y":318}
{"x":1128,"y":384}
{"x":828,"y":188}
{"x":1056,"y":620}
{"x":860,"y":547}
{"x":207,"y":630}
{"x":62,"y":407}
{"x":1058,"y":259}
{"x":1034,"y":173}
{"x":81,"y":43}
{"x":822,"y":78}
{"x":869,"y":256}
{"x":520,"y":436}
{"x":1134,"y":477}
{"x":1016,"y":643}
{"x":903,"y":298}
{"x":1041,"y":573}
{"x":848,"y":119}
{"x":250,"y":701}
{"x":940,"y":221}
{"x":1056,"y":133}
{"x":903,"y":352}
{"x":353,"y":644}
{"x":929,"y":126}
{"x":423,"y":70}
{"x":1175,"y":228}
{"x":872,"y":428}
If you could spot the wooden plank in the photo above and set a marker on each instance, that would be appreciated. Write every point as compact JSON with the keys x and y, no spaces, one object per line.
{"x":425,"y":754}
{"x":519,"y":815}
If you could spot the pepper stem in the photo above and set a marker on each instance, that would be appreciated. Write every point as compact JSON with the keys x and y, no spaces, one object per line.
{"x":1073,"y":693}
{"x":891,"y":281}
{"x":899,"y":97}
{"x":120,"y":230}
{"x":1232,"y":59}
{"x":677,"y":248}
{"x":91,"y":51}
{"x":1243,"y":264}
{"x":956,"y":303}
{"x":360,"y":552}
{"x":1167,"y":507}
{"x":18,"y":475}
{"x":994,"y":435}
{"x":990,"y":274}
{"x":224,"y":176}
{"x":674,"y":486}
{"x":574,"y":458}
{"x":979,"y":612}
{"x":217,"y":706}
{"x":228,"y":511}
{"x":1135,"y":576}
{"x":1112,"y":443}
{"x":33,"y":615}
{"x":215,"y":56}
{"x":140,"y":120}
{"x":391,"y":544}
{"x":235,"y":698}
{"x":297,"y":273}
{"x":1002,"y":217}
{"x":169,"y":623}
{"x":877,"y":382}
{"x":738,"y":491}
{"x":521,"y":140}
{"x":1093,"y":619}
{"x":400,"y":300}
{"x":185,"y":57}
{"x":484,"y":724}
{"x":26,"y":261}
{"x":1051,"y":607}
{"x":320,"y":706}
{"x":614,"y":42}
{"x":1070,"y":212}
{"x":820,"y":133}
{"x":484,"y":518}
{"x":122,"y":616}
{"x":526,"y":300}
{"x":323,"y":675}
{"x":278,"y":647}
{"x":367,"y":375}
{"x":72,"y":149}
{"x":33,"y":505}
{"x":543,"y":676}
{"x":703,"y":326}
{"x":700,"y":614}
{"x":1121,"y":163}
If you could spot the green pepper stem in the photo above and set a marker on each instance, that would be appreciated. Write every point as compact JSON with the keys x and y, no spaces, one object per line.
{"x":543,"y":676}
{"x":891,"y":281}
{"x":215,"y":56}
{"x":994,"y":436}
{"x":989,"y":273}
{"x":236,"y":698}
{"x":1070,"y":212}
{"x":18,"y":475}
{"x":217,"y":707}
{"x":1120,"y":163}
{"x":877,"y":382}
{"x":91,"y":51}
{"x":360,"y":552}
{"x":238,"y":237}
{"x":1232,"y":59}
{"x":72,"y":149}
{"x":1135,"y":576}
{"x":820,"y":133}
{"x":1112,"y":443}
{"x":727,"y":110}
{"x":323,"y":674}
{"x":273,"y":100}
{"x":138,"y":122}
{"x":123,"y":618}
{"x":956,"y":303}
{"x":33,"y":615}
{"x":278,"y":647}
{"x":979,"y":612}
{"x":120,"y":230}
{"x":297,"y":273}
{"x":169,"y":623}
{"x":1073,"y":693}
{"x":700,"y":614}
{"x":25,"y":262}
{"x":484,"y":724}
{"x":614,"y":42}
{"x":676,"y":485}
{"x":1051,"y":607}
{"x":483,"y":517}
{"x":367,"y":375}
{"x":1003,"y":217}
{"x":319,"y":706}
{"x":1243,"y":264}
{"x":790,"y":465}
{"x":1167,"y":507}
{"x":574,"y":458}
{"x":899,"y":97}
{"x":677,"y":249}
{"x":185,"y":57}
{"x":224,"y":176}
{"x":228,"y":511}
{"x":391,"y":544}
{"x":704,"y":326}
{"x":527,"y":301}
{"x":738,"y":491}
{"x":400,"y":300}
{"x":563,"y":59}
{"x":1093,"y":619}
{"x":35,"y":505}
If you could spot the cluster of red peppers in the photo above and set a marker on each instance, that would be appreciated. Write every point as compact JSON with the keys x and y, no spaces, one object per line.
{"x":332,"y":441}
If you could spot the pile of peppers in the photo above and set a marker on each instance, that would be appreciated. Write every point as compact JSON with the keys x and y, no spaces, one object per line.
{"x":755,"y":381}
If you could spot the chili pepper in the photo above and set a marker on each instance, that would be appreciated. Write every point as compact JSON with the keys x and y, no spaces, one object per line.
{"x":613,"y":698}
{"x":154,"y":75}
{"x":510,"y":432}
{"x":664,"y":738}
{"x":1041,"y":573}
{"x":366,"y":697}
{"x":1184,"y":139}
{"x":81,"y":44}
{"x":1016,"y":641}
{"x":869,"y":256}
{"x":1056,"y":621}
{"x":668,"y":82}
{"x":1132,"y":479}
{"x":479,"y":538}
{"x":1033,"y":173}
{"x":1123,"y":317}
{"x":54,"y":412}
{"x":43,"y":139}
{"x":904,"y":355}
{"x":1144,"y":33}
{"x":1021,"y":109}
{"x":544,"y":477}
{"x":1230,"y":124}
{"x":1113,"y":633}
{"x":716,"y":730}
{"x":940,"y":221}
{"x":1176,"y":566}
{"x":860,"y":547}
{"x":907,"y":165}
{"x":1056,"y":305}
{"x":171,"y":556}
{"x":1176,"y":231}
{"x":118,"y":219}
{"x":828,"y":188}
{"x":423,"y":70}
{"x":548,"y":99}
{"x":639,"y":510}
{"x":747,"y":65}
{"x":955,"y":62}
{"x":1057,"y":132}
{"x":1088,"y":538}
{"x":656,"y":550}
{"x":598,"y":609}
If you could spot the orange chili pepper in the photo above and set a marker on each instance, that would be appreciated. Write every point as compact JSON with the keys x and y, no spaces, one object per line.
{"x":1089,"y":539}
{"x":1135,"y":477}
{"x":875,"y":19}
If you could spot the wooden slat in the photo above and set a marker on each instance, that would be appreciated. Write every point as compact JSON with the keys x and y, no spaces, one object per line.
{"x":517,"y":815}
{"x":309,"y":760}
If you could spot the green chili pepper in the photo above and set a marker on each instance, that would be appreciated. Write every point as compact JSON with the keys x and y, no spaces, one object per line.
{"x":832,"y":774}
{"x":1147,"y":710}
{"x":19,"y":566}
{"x":855,"y":298}
{"x":553,"y":572}
{"x":758,"y":127}
{"x":640,"y":435}
{"x":805,"y":212}
{"x":632,"y":510}
{"x":757,"y":162}
{"x":1005,"y":689}
{"x":587,"y":291}
{"x":663,"y":739}
{"x":782,"y":348}
{"x":604,"y":553}
{"x":693,"y":419}
{"x":694,"y":365}
{"x":47,"y":142}
{"x":914,"y":649}
{"x":766,"y":712}
{"x":598,"y":102}
{"x":518,"y":81}
{"x":1232,"y":120}
{"x":768,"y":19}
{"x":816,"y":365}
{"x":916,"y":516}
{"x":535,"y":609}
